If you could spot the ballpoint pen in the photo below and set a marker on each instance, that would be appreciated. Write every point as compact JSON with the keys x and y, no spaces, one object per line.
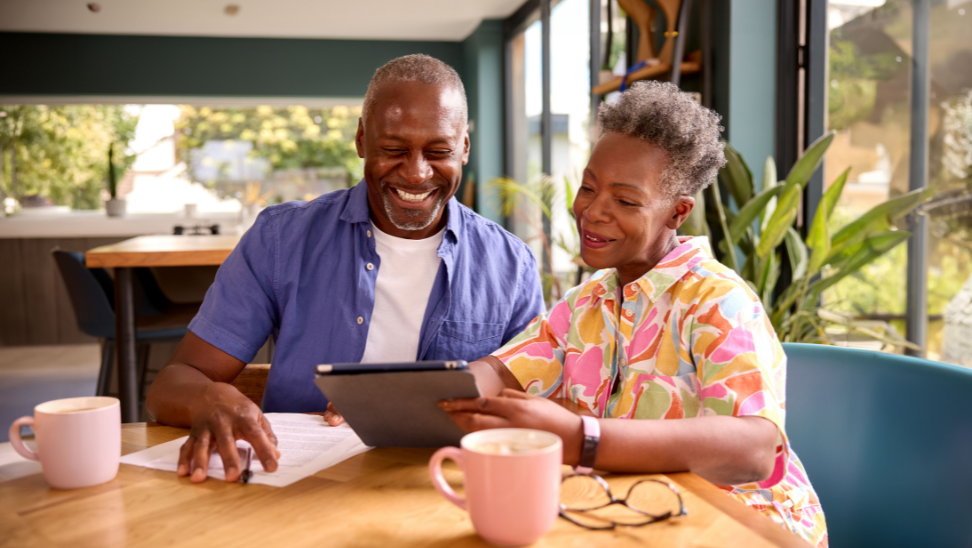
{"x":247,"y":474}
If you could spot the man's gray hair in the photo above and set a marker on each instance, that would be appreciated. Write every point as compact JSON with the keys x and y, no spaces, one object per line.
{"x":414,"y":68}
{"x":663,"y":115}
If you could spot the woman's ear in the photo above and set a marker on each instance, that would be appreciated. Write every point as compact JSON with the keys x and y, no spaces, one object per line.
{"x":679,"y":211}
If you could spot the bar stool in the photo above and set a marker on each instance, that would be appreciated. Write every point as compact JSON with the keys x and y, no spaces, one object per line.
{"x":92,"y":296}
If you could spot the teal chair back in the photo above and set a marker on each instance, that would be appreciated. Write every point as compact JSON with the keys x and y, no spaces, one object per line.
{"x":887,"y":444}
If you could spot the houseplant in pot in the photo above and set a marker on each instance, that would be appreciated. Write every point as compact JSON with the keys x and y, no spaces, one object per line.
{"x":115,"y":206}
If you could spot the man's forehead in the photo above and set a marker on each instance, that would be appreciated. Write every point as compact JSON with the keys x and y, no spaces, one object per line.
{"x":399,"y":101}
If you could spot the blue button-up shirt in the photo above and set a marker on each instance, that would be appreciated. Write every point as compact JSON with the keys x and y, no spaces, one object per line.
{"x":300,"y":274}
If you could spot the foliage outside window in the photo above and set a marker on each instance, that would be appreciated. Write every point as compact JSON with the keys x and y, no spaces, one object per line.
{"x":60,"y":153}
{"x":291,"y":141}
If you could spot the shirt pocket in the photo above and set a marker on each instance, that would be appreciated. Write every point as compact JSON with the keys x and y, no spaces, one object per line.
{"x":467,"y":340}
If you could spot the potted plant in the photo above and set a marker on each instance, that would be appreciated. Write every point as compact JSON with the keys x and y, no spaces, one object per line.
{"x":756,"y":239}
{"x":115,"y":206}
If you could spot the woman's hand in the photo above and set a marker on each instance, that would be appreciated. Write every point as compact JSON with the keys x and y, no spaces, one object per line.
{"x":514,"y":409}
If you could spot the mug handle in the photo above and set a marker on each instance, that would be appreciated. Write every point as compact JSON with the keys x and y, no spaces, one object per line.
{"x":435,"y":471}
{"x":17,"y":443}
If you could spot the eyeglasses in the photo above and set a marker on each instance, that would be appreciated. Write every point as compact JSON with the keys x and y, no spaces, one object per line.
{"x":587,"y":501}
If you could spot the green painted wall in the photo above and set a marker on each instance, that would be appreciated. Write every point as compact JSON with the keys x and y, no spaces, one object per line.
{"x":482,"y":74}
{"x":86,"y":64}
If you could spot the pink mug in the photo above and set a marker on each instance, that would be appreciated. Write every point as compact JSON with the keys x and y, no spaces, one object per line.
{"x":512,"y":482}
{"x":78,"y":440}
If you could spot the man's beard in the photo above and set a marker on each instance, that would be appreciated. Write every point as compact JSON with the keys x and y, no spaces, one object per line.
{"x":416,"y":217}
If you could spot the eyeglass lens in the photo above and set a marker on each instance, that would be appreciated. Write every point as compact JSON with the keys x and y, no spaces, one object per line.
{"x":588,"y":501}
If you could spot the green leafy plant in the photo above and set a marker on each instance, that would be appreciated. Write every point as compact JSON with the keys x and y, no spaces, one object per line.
{"x":518,"y":200}
{"x":760,"y":235}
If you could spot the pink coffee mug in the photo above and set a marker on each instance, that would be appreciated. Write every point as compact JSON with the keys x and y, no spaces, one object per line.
{"x":78,"y":440}
{"x":512,"y":481}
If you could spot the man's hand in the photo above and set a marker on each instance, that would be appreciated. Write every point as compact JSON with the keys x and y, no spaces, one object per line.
{"x":515,"y":409}
{"x":222,"y":416}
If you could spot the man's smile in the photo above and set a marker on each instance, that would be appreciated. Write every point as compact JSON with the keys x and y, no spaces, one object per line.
{"x":412,"y":198}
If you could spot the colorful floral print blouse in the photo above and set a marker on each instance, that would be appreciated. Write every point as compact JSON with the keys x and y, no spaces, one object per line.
{"x":694,"y":341}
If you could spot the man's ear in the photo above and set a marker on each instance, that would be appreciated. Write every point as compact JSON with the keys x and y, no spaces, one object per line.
{"x":465,"y":146}
{"x":680,"y":211}
{"x":359,"y":138}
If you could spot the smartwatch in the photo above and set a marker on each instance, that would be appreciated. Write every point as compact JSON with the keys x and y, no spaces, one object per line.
{"x":592,"y":435}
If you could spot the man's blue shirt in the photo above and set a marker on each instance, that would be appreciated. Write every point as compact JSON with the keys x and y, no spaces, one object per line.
{"x":301,"y":274}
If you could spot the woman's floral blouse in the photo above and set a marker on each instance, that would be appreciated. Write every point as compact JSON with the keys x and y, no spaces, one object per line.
{"x":694,"y":341}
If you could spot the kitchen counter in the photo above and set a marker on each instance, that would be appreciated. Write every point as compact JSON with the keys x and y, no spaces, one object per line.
{"x":95,"y":224}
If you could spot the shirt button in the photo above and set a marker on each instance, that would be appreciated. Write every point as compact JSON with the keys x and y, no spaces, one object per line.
{"x":370,"y":266}
{"x":360,"y":320}
{"x":369,"y":233}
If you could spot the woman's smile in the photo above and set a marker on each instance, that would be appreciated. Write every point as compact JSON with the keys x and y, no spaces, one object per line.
{"x":594,"y":240}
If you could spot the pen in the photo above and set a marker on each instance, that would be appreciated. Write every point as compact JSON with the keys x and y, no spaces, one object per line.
{"x":247,"y":474}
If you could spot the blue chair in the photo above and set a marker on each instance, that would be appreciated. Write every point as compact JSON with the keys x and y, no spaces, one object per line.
{"x":887,"y":443}
{"x":92,"y":296}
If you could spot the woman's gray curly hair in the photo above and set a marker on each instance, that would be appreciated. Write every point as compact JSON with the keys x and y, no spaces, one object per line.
{"x":663,"y":115}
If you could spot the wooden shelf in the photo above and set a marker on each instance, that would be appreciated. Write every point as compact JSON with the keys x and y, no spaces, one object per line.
{"x":647,"y":73}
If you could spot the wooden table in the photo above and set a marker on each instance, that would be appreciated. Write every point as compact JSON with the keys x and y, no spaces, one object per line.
{"x":147,"y":251}
{"x":381,"y":498}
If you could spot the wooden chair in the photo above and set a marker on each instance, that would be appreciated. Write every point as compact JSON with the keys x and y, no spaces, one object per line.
{"x":252,"y":381}
{"x":676,"y":17}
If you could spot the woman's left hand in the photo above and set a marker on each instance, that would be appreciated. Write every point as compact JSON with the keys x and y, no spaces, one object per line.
{"x":514,"y":409}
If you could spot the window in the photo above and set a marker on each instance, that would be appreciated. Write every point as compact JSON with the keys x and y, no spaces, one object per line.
{"x":217,"y":157}
{"x":568,"y":53}
{"x":870,"y":107}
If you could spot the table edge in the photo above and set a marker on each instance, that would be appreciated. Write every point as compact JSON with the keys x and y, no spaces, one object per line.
{"x":691,"y":482}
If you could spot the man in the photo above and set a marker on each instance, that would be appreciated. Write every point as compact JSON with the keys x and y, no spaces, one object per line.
{"x":393,"y":269}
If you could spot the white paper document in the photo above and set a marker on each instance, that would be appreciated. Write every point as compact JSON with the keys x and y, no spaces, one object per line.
{"x":307,"y":445}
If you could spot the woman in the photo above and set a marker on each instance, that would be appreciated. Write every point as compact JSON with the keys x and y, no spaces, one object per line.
{"x":662,"y":331}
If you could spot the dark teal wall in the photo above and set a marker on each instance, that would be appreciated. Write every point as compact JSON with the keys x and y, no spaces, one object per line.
{"x":85,"y":64}
{"x":482,"y":74}
{"x":105,"y":65}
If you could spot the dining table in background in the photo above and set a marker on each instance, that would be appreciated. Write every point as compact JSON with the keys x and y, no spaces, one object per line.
{"x":381,"y":498}
{"x":148,"y":251}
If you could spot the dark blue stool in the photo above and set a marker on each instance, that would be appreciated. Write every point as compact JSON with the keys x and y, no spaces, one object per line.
{"x":92,"y":292}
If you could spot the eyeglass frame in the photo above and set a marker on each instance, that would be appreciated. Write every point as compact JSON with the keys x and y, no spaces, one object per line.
{"x":623,"y":501}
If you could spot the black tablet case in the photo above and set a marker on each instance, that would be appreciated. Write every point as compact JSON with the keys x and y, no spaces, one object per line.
{"x":400,"y":409}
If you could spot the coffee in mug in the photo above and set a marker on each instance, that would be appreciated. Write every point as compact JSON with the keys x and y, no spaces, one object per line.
{"x":512,"y":482}
{"x":78,"y":440}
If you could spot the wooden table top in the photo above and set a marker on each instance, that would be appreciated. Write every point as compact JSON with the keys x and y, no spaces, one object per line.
{"x":381,"y":498}
{"x":163,"y":251}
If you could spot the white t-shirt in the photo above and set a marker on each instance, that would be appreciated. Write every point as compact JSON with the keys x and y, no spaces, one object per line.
{"x":405,"y":277}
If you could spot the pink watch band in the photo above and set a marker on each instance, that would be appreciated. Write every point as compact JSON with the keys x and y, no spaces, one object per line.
{"x":592,"y":435}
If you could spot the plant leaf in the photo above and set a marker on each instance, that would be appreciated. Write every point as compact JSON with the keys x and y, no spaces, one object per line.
{"x":878,"y":219}
{"x":737,"y":177}
{"x":872,"y":248}
{"x":888,"y":336}
{"x":769,"y":173}
{"x":833,"y":194}
{"x":748,"y":213}
{"x":807,"y":164}
{"x":782,"y":219}
{"x":730,"y":248}
{"x":569,"y":196}
{"x":767,"y":282}
{"x":818,"y":238}
{"x":797,"y":252}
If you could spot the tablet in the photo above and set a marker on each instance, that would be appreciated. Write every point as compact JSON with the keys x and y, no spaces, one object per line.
{"x":396,"y":405}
